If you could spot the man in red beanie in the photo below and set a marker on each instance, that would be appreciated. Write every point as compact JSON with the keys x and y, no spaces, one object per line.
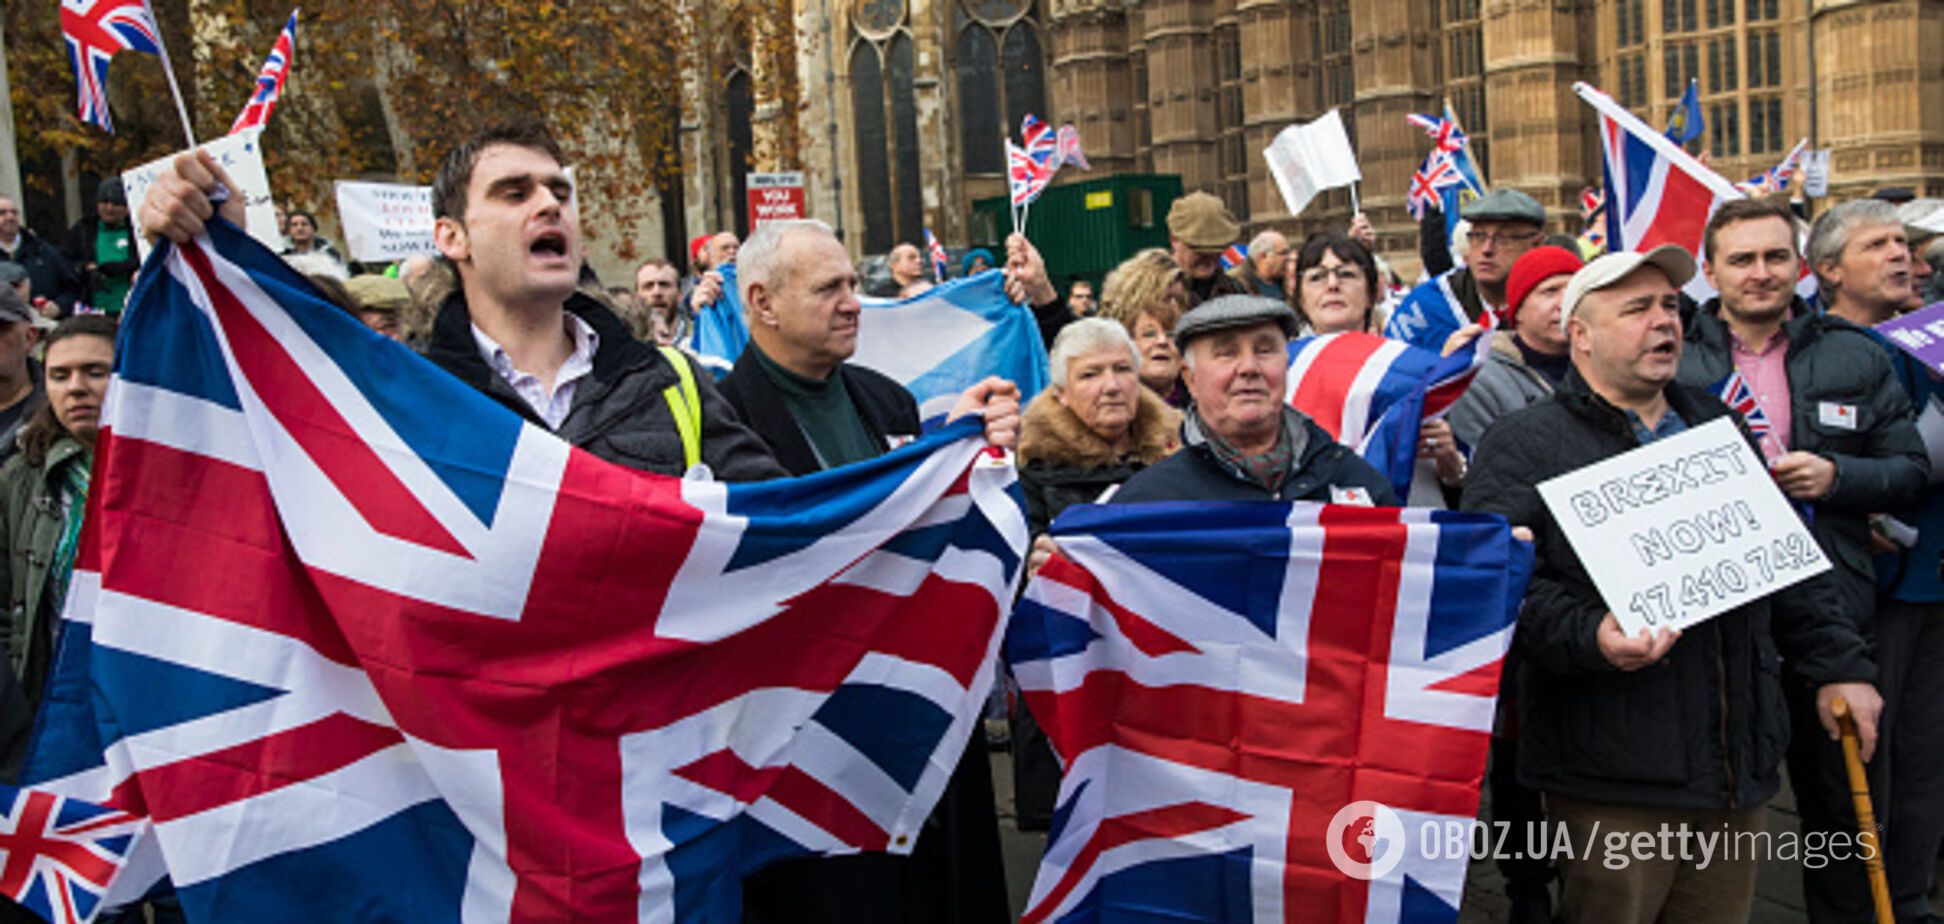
{"x":708,"y":254}
{"x":1529,"y":353}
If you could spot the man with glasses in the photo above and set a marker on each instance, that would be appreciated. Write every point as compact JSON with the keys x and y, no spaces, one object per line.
{"x":1505,"y":223}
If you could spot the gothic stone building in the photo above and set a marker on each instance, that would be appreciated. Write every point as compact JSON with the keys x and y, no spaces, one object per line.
{"x":905,"y":101}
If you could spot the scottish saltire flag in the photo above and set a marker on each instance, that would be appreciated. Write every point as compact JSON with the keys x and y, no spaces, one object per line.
{"x":1239,"y":692}
{"x":1733,"y":391}
{"x":95,"y":31}
{"x":367,"y":646}
{"x":940,"y":261}
{"x":1429,"y":315}
{"x":57,"y":855}
{"x":1234,"y":254}
{"x":945,"y":340}
{"x":1684,"y":123}
{"x":720,"y":333}
{"x":1070,"y":152}
{"x":1373,"y":393}
{"x":270,"y":81}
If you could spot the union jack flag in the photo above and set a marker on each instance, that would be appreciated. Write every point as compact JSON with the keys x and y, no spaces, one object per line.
{"x":939,"y":260}
{"x":1070,"y":152}
{"x":57,"y":855}
{"x":1234,"y":254}
{"x":270,"y":81}
{"x":1041,"y":142}
{"x":1236,"y":690}
{"x":1373,"y":393}
{"x":1734,"y":392}
{"x":1777,"y":178}
{"x":1446,"y":172}
{"x":394,"y":649}
{"x":1428,"y":183}
{"x":1592,"y":200}
{"x":96,"y":30}
{"x":1026,"y":177}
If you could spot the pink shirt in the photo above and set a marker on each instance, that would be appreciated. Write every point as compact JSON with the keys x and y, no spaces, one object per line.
{"x":1767,"y":375}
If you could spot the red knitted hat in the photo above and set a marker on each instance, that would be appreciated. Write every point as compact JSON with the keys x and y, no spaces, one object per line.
{"x":1538,"y":265}
{"x":695,"y":246}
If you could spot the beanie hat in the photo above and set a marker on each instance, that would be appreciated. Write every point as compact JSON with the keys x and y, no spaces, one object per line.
{"x":695,"y":247}
{"x":1536,"y":266}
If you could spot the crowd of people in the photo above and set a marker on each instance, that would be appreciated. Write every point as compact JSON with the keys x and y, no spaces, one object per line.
{"x":1171,"y":383}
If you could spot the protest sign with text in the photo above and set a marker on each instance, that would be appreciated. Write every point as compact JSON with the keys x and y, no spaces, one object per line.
{"x":1307,"y":159}
{"x":775,"y":197}
{"x":1683,"y":529}
{"x":385,"y":222}
{"x":242,"y":157}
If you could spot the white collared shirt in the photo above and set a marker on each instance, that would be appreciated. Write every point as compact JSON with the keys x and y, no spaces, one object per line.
{"x":551,"y":406}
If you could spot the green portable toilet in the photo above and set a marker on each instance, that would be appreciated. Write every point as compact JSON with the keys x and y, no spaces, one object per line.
{"x":1085,"y":229}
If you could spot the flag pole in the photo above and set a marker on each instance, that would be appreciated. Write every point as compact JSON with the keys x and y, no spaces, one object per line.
{"x":162,"y":47}
{"x":1355,"y":209}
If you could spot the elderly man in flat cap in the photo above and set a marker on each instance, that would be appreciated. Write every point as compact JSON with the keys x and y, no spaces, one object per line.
{"x":1200,"y":228}
{"x":1505,"y":223}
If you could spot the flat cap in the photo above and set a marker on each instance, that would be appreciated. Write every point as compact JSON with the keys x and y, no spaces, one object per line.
{"x":1233,"y":311}
{"x":1504,"y":205}
{"x":378,"y":293}
{"x":1202,"y":222}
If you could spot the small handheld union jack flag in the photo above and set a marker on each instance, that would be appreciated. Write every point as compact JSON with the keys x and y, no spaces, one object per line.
{"x":57,"y":855}
{"x":939,"y":259}
{"x":1070,"y":152}
{"x":96,"y":30}
{"x":270,"y":81}
{"x":1735,"y":393}
{"x":1041,"y":142}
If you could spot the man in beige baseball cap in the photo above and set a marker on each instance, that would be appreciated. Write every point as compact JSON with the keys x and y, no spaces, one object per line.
{"x":1584,"y":682}
{"x":1199,"y":229}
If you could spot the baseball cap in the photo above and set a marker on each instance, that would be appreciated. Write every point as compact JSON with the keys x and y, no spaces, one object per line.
{"x":1610,"y":268}
{"x":1202,"y":222}
{"x":14,"y":308}
{"x":110,"y":190}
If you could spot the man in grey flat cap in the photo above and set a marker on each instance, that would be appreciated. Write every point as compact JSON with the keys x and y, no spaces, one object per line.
{"x":1240,"y":439}
{"x":1505,"y":223}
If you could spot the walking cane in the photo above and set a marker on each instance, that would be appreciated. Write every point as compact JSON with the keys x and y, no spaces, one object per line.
{"x":1866,"y":829}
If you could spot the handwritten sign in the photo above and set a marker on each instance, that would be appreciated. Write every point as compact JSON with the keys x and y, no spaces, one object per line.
{"x":1919,"y":333}
{"x":385,"y":222}
{"x":242,"y":157}
{"x":1683,"y":529}
{"x":775,"y":197}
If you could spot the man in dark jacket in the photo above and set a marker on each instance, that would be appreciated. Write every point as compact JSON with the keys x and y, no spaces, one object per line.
{"x":1636,"y":735}
{"x":1241,"y":440}
{"x":52,"y":279}
{"x":815,"y":410}
{"x":1505,"y":223}
{"x":101,"y":248}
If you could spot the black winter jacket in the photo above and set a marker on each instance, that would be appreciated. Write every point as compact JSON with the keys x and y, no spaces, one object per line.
{"x":53,"y":279}
{"x":1197,"y":473}
{"x":618,"y":413}
{"x":1881,"y":466}
{"x":1703,"y":728}
{"x":887,"y":409}
{"x":79,"y":250}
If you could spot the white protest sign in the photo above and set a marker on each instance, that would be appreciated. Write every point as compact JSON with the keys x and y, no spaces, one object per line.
{"x":242,"y":157}
{"x":1815,"y":173}
{"x":1683,"y":529}
{"x":1307,"y":159}
{"x":385,"y":222}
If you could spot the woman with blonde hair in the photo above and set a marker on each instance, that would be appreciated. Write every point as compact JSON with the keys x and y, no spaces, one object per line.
{"x":1147,"y":294}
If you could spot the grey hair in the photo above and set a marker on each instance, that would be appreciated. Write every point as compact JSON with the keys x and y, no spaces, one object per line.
{"x":1261,"y":241}
{"x":756,"y":260}
{"x":1084,"y":337}
{"x":1831,"y":233}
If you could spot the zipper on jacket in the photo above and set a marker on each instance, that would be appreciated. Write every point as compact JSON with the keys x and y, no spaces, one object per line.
{"x":1729,"y":788}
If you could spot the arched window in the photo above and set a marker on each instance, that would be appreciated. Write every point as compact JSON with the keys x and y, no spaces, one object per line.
{"x":884,"y":110}
{"x":1001,"y":77}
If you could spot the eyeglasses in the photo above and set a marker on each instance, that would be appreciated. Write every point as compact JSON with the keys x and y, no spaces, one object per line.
{"x":1320,"y":276}
{"x":1499,"y":237}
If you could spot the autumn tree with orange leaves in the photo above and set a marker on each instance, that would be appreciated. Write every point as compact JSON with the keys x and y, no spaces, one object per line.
{"x":381,"y":88}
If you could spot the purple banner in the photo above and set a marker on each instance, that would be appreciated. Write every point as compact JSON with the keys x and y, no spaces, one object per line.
{"x":1919,"y":333}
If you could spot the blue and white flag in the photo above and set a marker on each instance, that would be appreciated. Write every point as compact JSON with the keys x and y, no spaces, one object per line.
{"x":720,"y":332}
{"x":1429,"y":315}
{"x":947,"y":339}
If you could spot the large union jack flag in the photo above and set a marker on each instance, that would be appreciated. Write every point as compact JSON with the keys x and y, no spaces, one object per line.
{"x":96,"y":30}
{"x":57,"y":855}
{"x":1221,"y":681}
{"x":372,"y":648}
{"x":270,"y":80}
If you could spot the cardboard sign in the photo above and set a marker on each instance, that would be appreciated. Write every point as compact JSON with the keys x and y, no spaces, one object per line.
{"x":242,"y":157}
{"x":1683,"y":529}
{"x":385,"y":222}
{"x":1919,"y":333}
{"x":775,"y":196}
